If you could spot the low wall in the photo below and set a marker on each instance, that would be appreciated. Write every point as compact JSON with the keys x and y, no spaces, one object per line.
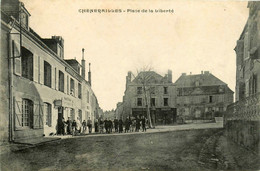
{"x":244,"y":133}
{"x":242,"y":122}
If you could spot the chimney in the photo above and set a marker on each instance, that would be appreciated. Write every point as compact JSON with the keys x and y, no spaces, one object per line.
{"x":83,"y":64}
{"x":128,"y":78}
{"x":89,"y":74}
{"x":206,"y":72}
{"x":201,"y":72}
{"x":170,"y":76}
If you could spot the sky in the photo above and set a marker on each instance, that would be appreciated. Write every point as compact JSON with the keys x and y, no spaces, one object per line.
{"x":197,"y":36}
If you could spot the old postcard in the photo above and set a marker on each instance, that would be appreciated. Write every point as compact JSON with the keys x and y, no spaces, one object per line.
{"x":130,"y":85}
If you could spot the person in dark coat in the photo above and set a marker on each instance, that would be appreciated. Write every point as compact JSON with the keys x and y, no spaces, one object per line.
{"x":143,"y":120}
{"x":74,"y":125}
{"x":84,"y":125}
{"x":116,"y":124}
{"x":101,"y":126}
{"x":110,"y":126}
{"x":69,"y":127}
{"x":120,"y":124}
{"x":126,"y":125}
{"x":137,"y":124}
{"x":130,"y":123}
{"x":89,"y":125}
{"x":96,"y":125}
{"x":106,"y":125}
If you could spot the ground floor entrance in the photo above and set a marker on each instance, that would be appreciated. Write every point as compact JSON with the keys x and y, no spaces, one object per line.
{"x":159,"y":116}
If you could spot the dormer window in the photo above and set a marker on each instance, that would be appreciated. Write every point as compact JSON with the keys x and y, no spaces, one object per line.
{"x":197,"y":83}
{"x":24,"y":17}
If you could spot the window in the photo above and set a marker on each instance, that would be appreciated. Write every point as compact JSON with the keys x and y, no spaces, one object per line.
{"x":61,"y":81}
{"x":27,"y":64}
{"x":165,"y":101}
{"x":79,"y":91}
{"x":197,"y":83}
{"x":210,"y":99}
{"x":47,"y":74}
{"x":139,"y":90}
{"x":254,"y":84}
{"x":221,"y":109}
{"x":72,"y":87}
{"x":68,"y":85}
{"x":27,"y":113}
{"x":165,"y":90}
{"x":55,"y":78}
{"x":179,"y":92}
{"x":152,"y":90}
{"x":152,"y":101}
{"x":47,"y":114}
{"x":139,"y":101}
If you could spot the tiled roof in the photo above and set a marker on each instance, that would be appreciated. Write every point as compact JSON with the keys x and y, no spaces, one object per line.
{"x":205,"y":90}
{"x":150,"y":77}
{"x":205,"y":79}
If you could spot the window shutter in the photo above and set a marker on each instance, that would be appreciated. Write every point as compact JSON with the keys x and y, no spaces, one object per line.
{"x":41,"y":116}
{"x":16,"y":52}
{"x":36,"y":116}
{"x":18,"y":114}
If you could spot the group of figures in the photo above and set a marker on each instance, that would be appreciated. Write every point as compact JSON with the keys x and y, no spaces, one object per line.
{"x":120,"y":126}
{"x":74,"y":127}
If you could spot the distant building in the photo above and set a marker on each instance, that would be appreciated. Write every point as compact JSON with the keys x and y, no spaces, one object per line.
{"x":119,"y":109}
{"x":38,"y":87}
{"x":202,"y":95}
{"x":242,"y":121}
{"x":149,"y":90}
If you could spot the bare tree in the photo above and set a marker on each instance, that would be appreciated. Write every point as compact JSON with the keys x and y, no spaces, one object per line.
{"x":144,"y":78}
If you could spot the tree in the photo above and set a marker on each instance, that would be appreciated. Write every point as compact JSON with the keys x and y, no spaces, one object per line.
{"x":144,"y":77}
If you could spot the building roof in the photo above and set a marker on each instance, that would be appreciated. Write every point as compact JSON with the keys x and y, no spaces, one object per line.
{"x":205,"y":90}
{"x":150,"y":77}
{"x":199,"y":84}
{"x":205,"y":79}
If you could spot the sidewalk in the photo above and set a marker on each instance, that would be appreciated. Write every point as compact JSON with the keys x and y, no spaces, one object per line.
{"x":26,"y":143}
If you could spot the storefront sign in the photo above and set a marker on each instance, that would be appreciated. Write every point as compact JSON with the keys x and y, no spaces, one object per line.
{"x":64,"y":102}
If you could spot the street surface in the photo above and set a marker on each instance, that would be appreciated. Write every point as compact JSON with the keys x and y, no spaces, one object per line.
{"x":165,"y":148}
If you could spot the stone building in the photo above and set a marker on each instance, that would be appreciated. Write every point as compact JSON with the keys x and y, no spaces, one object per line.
{"x":201,"y":96}
{"x":243,"y":117}
{"x":119,"y":109}
{"x":149,"y":90}
{"x":38,"y":86}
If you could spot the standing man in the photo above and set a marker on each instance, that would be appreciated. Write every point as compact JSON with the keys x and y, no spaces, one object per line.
{"x":106,"y":125}
{"x":143,"y":120}
{"x":84,"y":125}
{"x":69,"y":126}
{"x":101,"y":126}
{"x":137,"y":124}
{"x":116,"y":124}
{"x":120,"y":123}
{"x":89,"y":124}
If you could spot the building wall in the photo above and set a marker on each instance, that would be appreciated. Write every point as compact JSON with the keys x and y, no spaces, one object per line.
{"x":196,"y":106}
{"x":242,"y":117}
{"x":37,"y":92}
{"x":130,"y":107}
{"x":4,"y":84}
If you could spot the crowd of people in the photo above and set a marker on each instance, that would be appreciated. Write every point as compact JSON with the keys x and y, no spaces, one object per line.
{"x":76,"y":127}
